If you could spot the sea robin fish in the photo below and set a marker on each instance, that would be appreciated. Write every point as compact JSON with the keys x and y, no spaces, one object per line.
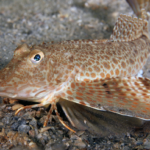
{"x":100,"y":74}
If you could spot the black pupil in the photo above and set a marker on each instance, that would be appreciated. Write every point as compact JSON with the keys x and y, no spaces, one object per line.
{"x":37,"y":57}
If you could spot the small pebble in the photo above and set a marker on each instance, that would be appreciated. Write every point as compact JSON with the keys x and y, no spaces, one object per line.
{"x":23,"y":128}
{"x":74,"y":137}
{"x":16,"y":106}
{"x":79,"y":143}
{"x":44,"y":129}
{"x":79,"y":133}
{"x":17,"y":123}
{"x":33,"y":122}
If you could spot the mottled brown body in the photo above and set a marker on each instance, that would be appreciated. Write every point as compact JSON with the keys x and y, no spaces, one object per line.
{"x":71,"y":60}
{"x":94,"y":73}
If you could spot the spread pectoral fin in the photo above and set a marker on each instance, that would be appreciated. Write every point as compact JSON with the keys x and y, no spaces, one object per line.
{"x":127,"y":96}
{"x":101,"y":123}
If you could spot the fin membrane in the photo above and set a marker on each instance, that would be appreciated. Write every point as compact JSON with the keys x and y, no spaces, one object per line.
{"x":126,"y":96}
{"x":128,"y":28}
{"x":101,"y":123}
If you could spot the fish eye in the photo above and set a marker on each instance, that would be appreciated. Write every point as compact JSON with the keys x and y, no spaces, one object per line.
{"x":36,"y":56}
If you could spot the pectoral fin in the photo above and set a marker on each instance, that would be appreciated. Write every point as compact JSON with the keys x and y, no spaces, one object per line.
{"x":101,"y":123}
{"x":126,"y":96}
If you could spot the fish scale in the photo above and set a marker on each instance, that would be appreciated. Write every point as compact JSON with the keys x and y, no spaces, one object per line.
{"x":94,"y":73}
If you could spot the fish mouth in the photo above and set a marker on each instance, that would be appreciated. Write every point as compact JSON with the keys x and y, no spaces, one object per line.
{"x":22,"y":95}
{"x":15,"y":96}
{"x":25,"y":92}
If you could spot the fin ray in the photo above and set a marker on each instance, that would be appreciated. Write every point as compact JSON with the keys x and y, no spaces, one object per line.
{"x":128,"y":28}
{"x":128,"y":96}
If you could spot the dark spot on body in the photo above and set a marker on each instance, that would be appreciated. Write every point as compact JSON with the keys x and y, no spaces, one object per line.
{"x":108,"y":92}
{"x":99,"y":105}
{"x":105,"y":85}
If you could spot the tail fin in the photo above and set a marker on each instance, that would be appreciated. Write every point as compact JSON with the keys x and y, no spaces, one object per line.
{"x":128,"y":28}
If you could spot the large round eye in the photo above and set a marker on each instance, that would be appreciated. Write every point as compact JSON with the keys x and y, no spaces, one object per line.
{"x":36,"y":56}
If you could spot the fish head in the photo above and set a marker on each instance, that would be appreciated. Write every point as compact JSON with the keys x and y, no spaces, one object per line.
{"x":31,"y":74}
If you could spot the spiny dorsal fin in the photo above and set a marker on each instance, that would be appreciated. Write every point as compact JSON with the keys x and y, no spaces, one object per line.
{"x":128,"y":28}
